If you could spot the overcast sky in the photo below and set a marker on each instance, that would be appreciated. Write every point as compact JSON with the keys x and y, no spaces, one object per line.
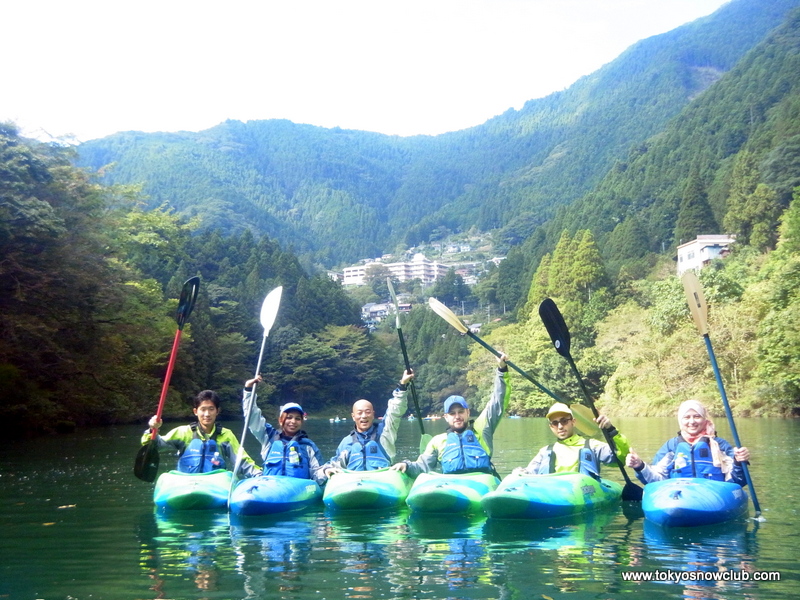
{"x":91,"y":68}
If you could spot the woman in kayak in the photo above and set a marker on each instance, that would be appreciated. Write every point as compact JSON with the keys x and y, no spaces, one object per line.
{"x":286,"y":450}
{"x":203,"y":446}
{"x":571,"y":452}
{"x":695,"y":452}
{"x":465,"y":448}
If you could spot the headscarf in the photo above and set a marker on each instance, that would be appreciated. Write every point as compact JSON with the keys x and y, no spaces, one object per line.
{"x":708,"y":431}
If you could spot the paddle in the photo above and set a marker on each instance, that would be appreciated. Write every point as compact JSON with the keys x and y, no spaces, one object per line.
{"x":145,"y":467}
{"x":424,"y":437}
{"x":699,"y":310}
{"x":269,"y":311}
{"x":585,"y":419}
{"x":559,"y":333}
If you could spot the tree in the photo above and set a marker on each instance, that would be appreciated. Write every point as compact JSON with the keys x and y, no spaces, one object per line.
{"x":695,"y":216}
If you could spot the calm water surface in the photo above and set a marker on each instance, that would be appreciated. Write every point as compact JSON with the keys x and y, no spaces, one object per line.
{"x":76,"y":524}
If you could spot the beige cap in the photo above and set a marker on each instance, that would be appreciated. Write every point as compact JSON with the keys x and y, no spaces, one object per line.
{"x":559,"y":408}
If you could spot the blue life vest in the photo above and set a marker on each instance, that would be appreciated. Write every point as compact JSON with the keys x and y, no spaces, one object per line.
{"x":694,"y":461}
{"x":367,"y":456}
{"x":463,"y":453}
{"x":201,"y":456}
{"x":287,"y":458}
{"x":587,"y":461}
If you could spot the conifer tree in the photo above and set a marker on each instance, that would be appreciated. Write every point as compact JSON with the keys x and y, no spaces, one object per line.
{"x":694,"y":215}
{"x":588,"y":272}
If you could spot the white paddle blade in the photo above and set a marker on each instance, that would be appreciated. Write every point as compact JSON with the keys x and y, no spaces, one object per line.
{"x":447,"y":314}
{"x":696,"y":300}
{"x":394,"y":301}
{"x":269,"y":310}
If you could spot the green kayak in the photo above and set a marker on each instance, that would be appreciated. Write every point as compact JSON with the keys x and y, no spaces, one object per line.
{"x":451,"y":493}
{"x":193,"y":491}
{"x":364,"y":490}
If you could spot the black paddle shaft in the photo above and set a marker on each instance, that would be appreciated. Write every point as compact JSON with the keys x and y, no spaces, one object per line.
{"x":559,"y":333}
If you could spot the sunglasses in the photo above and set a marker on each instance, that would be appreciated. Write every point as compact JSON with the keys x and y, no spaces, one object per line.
{"x":561,"y":421}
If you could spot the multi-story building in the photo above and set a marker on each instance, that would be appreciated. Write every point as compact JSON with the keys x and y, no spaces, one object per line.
{"x":418,"y":268}
{"x":701,"y":251}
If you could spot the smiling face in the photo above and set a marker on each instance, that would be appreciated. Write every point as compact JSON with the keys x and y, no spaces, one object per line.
{"x":206,"y":415}
{"x":562,"y":425}
{"x":363,"y":414}
{"x":693,"y":423}
{"x":457,"y":417}
{"x":291,"y":421}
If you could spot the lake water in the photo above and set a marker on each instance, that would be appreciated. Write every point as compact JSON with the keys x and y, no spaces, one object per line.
{"x":76,"y":524}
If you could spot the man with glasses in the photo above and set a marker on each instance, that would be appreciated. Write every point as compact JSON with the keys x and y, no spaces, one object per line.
{"x":571,"y":452}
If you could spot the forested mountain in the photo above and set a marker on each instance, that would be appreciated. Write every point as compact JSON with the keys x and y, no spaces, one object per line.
{"x":338,"y":196}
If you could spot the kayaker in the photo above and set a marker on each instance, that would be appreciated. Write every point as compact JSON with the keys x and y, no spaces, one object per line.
{"x":695,"y":452}
{"x":203,"y":446}
{"x":370,"y":446}
{"x":465,"y":448}
{"x":572,"y":453}
{"x":287,"y":449}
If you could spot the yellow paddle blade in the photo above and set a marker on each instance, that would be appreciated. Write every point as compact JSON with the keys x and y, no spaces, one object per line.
{"x":696,"y":300}
{"x":447,"y":314}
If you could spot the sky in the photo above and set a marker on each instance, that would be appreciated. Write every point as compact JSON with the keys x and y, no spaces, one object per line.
{"x":84,"y":69}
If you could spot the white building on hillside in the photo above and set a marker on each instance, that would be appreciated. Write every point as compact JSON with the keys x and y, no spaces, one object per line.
{"x":418,"y":268}
{"x":701,"y":251}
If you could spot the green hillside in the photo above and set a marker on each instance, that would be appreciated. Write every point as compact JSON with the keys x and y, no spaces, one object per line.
{"x":338,"y":196}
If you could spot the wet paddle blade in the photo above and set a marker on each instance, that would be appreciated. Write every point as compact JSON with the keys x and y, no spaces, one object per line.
{"x":146,"y":465}
{"x":632,"y":492}
{"x":584,"y":420}
{"x":696,"y":300}
{"x":556,"y":326}
{"x":423,"y":442}
{"x":447,"y":314}
{"x":269,"y":309}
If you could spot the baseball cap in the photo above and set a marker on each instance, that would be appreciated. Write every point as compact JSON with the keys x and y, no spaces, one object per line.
{"x":559,"y":408}
{"x":291,"y":406}
{"x":451,"y":400}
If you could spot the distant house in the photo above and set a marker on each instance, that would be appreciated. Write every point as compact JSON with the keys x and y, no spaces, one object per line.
{"x":701,"y":251}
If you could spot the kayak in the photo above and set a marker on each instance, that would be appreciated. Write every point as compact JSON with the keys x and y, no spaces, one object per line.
{"x":451,"y":493}
{"x":693,"y":501}
{"x":268,"y":494}
{"x":354,"y":490}
{"x":521,"y":496}
{"x":193,"y":491}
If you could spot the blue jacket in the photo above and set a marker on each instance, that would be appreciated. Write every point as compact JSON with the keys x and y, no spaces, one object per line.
{"x":678,"y":458}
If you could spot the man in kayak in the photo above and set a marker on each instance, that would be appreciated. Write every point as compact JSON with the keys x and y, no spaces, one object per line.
{"x":695,"y":452}
{"x":465,"y":448}
{"x":370,"y":446}
{"x":285,"y":450}
{"x":203,"y":446}
{"x":572,"y":453}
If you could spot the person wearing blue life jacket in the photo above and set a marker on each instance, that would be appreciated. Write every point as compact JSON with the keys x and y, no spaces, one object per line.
{"x":464,"y":447}
{"x":695,"y":452}
{"x":203,"y":446}
{"x":571,"y":453}
{"x":286,"y":450}
{"x":371,"y":446}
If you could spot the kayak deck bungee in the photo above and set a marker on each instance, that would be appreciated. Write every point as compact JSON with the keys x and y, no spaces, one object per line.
{"x":269,"y":494}
{"x":450,"y":493}
{"x":693,"y":501}
{"x":193,"y":491}
{"x":358,"y":490}
{"x":521,"y":496}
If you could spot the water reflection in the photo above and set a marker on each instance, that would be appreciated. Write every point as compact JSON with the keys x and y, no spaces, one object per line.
{"x":731,"y":548}
{"x":181,"y":546}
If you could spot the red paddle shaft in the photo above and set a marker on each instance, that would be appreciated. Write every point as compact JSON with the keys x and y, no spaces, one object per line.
{"x":168,"y":376}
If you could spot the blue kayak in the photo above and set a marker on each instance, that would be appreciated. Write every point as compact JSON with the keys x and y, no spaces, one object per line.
{"x":693,"y":501}
{"x":522,"y":496}
{"x":365,"y":490}
{"x":193,"y":491}
{"x":269,"y":494}
{"x":451,"y":493}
